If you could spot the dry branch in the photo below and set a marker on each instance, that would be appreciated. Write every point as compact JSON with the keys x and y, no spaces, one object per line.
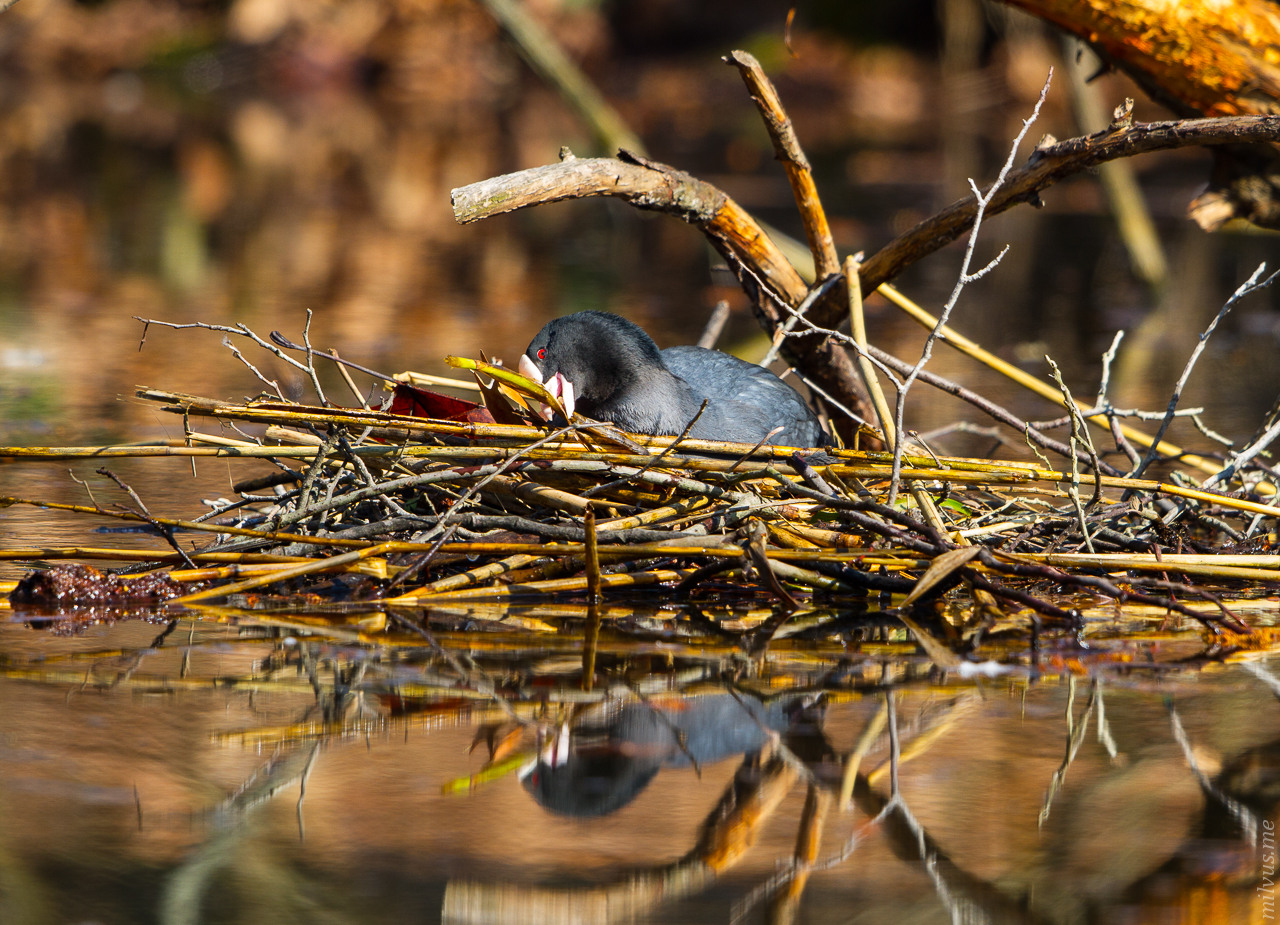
{"x":645,"y":184}
{"x":787,"y":148}
{"x":1213,"y":59}
{"x":1048,"y":164}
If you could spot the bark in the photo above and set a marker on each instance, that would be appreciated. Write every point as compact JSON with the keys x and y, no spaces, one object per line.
{"x":1219,"y":58}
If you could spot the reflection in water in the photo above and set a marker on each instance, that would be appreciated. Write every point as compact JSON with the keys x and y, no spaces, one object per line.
{"x":264,"y":770}
{"x":602,"y":763}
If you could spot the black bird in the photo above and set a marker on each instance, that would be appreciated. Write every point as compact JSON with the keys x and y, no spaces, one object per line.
{"x":610,"y":369}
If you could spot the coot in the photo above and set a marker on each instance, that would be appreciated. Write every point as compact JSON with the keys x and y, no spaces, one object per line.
{"x":610,"y":369}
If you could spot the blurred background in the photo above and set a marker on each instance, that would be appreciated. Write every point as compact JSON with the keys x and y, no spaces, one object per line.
{"x":245,"y":161}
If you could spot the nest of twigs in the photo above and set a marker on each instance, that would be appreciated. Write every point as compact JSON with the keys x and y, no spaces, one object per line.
{"x":370,"y":506}
{"x":444,"y":511}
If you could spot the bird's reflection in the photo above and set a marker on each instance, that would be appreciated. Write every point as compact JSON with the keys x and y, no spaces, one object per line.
{"x":607,"y":757}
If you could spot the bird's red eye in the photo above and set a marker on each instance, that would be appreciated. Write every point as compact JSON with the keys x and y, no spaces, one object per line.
{"x":542,"y":353}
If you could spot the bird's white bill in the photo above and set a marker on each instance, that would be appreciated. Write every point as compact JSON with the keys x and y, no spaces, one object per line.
{"x":529,"y":370}
{"x":566,"y":395}
{"x":557,"y":385}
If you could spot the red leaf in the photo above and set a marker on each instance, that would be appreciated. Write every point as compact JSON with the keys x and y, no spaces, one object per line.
{"x":414,"y":402}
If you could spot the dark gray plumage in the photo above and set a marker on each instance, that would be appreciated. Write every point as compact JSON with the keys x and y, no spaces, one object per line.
{"x":619,"y":375}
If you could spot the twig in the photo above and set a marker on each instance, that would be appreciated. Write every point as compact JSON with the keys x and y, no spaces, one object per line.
{"x":240,"y":330}
{"x":715,"y":325}
{"x":1079,"y":437}
{"x":165,"y":530}
{"x":968,"y":347}
{"x":346,"y":377}
{"x":592,"y":557}
{"x":787,"y":148}
{"x":1249,"y":286}
{"x":795,"y":316}
{"x":858,"y":327}
{"x":419,"y":563}
{"x":311,"y":366}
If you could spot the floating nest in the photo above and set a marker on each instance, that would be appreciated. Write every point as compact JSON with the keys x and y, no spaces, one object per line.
{"x":399,"y":513}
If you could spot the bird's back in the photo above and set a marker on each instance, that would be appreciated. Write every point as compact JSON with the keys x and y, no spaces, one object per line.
{"x":744,"y":401}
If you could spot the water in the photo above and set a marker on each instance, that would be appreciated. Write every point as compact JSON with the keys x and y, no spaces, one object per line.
{"x":201,"y":778}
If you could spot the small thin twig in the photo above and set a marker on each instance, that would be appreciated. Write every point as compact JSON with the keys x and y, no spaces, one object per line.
{"x":1079,"y":437}
{"x":858,"y":327}
{"x":419,"y":563}
{"x":165,"y":530}
{"x":796,"y":315}
{"x":311,"y":366}
{"x":1249,"y":286}
{"x":715,"y":325}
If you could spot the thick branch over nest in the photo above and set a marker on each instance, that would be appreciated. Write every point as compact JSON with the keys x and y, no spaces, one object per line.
{"x":646,"y":185}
